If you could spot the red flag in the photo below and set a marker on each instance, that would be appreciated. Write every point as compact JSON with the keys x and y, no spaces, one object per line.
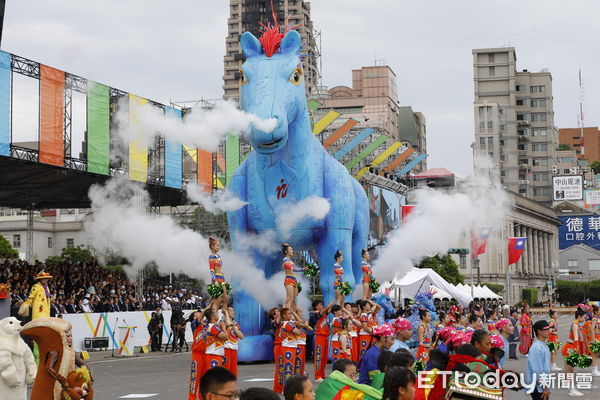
{"x":406,"y":210}
{"x":516,"y":245}
{"x":479,"y":237}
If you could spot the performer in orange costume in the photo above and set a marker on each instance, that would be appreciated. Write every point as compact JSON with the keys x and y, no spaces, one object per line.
{"x":575,"y":343}
{"x":525,"y":333}
{"x":302,"y":326}
{"x":215,"y":264}
{"x":338,"y":271}
{"x":553,"y":338}
{"x":367,"y":271}
{"x":285,"y":359}
{"x":353,"y":330}
{"x":290,"y":282}
{"x":424,"y":334}
{"x":322,"y":331}
{"x":198,"y":353}
{"x":216,"y":336}
{"x":368,"y":322}
{"x":231,"y":345}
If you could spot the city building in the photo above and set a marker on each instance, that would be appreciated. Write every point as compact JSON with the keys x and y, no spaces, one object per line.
{"x":412,"y":128}
{"x":580,"y":263}
{"x":591,"y":141}
{"x":372,"y":100}
{"x":514,"y":123}
{"x":247,"y":16}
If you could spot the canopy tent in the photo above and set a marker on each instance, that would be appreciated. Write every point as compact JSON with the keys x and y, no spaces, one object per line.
{"x":440,"y":294}
{"x":479,"y":292}
{"x":422,"y":278}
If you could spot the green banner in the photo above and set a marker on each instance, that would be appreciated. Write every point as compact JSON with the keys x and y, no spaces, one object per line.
{"x":98,"y":109}
{"x":370,"y":148}
{"x":232,"y":156}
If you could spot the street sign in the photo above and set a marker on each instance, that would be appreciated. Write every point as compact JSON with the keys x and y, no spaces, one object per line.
{"x":567,"y":188}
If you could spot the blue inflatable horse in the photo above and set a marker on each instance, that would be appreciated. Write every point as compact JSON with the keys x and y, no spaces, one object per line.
{"x":287,"y":165}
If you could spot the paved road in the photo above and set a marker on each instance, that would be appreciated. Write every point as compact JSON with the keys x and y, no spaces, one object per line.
{"x":166,"y":375}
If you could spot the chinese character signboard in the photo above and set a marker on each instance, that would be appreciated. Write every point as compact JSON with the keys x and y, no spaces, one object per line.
{"x":566,"y":188}
{"x":592,"y":198}
{"x":579,"y":229}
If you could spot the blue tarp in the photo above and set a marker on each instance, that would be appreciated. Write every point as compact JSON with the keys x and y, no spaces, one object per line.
{"x":4,"y":103}
{"x":173,"y":156}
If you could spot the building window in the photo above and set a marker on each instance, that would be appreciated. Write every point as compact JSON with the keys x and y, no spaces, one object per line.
{"x":491,"y":57}
{"x":538,"y":116}
{"x":490,"y":141}
{"x":539,"y":147}
{"x":70,"y":243}
{"x":540,"y":176}
{"x":538,"y":89}
{"x":490,"y":124}
{"x":539,"y":132}
{"x":492,"y":71}
{"x":50,"y":242}
{"x":503,"y":172}
{"x":538,"y":102}
{"x":481,"y":126}
{"x":16,"y":241}
{"x":594,"y":265}
{"x":541,"y":191}
{"x":567,"y":171}
{"x":521,"y":88}
{"x":502,"y":142}
{"x":482,"y":141}
{"x":504,"y":157}
{"x":540,"y":162}
{"x":520,"y":102}
{"x":520,"y":117}
{"x":522,"y":147}
{"x":572,"y":264}
{"x":522,"y":132}
{"x":523,"y":191}
{"x":503,"y":127}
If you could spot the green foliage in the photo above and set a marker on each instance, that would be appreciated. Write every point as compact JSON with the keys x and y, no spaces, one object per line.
{"x":498,"y":289}
{"x":596,"y":167}
{"x":530,"y":296}
{"x":574,"y":292}
{"x":564,"y":146}
{"x":445,"y":266}
{"x":74,"y":254}
{"x":6,"y":249}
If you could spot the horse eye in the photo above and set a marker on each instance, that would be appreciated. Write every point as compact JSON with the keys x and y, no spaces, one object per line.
{"x":296,"y":76}
{"x":243,"y":78}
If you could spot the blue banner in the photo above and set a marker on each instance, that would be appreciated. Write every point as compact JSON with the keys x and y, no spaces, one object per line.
{"x":5,"y":72}
{"x":173,"y":156}
{"x":579,"y":229}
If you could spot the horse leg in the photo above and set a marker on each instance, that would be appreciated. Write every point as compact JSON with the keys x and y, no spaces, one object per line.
{"x":335,"y":239}
{"x":360,"y":230}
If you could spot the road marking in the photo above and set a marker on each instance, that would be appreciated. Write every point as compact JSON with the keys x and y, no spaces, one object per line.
{"x":138,"y":396}
{"x":137,"y":358}
{"x":259,"y":380}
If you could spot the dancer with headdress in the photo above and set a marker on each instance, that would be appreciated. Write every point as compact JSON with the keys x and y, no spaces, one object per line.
{"x":574,"y":345}
{"x":424,"y":335}
{"x":525,"y":333}
{"x":290,"y":282}
{"x":215,"y":263}
{"x":367,"y":270}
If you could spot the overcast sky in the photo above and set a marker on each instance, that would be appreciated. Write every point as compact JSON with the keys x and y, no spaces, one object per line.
{"x":174,"y":50}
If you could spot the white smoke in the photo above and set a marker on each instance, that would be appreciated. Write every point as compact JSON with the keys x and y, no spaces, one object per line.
{"x":289,"y":215}
{"x":120,"y":225}
{"x":439,"y":221}
{"x":201,"y":128}
{"x":216,"y":202}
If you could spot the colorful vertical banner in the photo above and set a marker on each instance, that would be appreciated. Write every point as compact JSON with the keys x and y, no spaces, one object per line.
{"x":98,"y":127}
{"x":173,"y":156}
{"x":5,"y":90}
{"x":205,"y":170}
{"x":52,"y":116}
{"x":138,"y":148}
{"x":232,"y":156}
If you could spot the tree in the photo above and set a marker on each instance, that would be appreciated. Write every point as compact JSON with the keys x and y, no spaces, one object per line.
{"x":6,"y":250}
{"x":564,"y":146}
{"x":74,"y":254}
{"x":596,"y":167}
{"x":445,"y":266}
{"x":494,"y":287}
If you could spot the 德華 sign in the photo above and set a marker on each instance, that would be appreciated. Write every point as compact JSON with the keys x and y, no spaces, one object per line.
{"x":579,"y":229}
{"x":566,"y":188}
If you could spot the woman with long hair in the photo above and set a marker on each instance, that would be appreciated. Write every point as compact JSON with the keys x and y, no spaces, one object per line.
{"x":367,"y":271}
{"x":575,"y":343}
{"x":525,"y":335}
{"x":425,"y":335}
{"x":553,"y":338}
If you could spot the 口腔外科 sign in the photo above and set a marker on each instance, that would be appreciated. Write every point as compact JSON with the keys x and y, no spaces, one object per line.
{"x":579,"y":229}
{"x":566,"y":188}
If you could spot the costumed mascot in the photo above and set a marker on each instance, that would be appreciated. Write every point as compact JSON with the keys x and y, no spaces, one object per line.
{"x":17,"y":366}
{"x":57,"y":377}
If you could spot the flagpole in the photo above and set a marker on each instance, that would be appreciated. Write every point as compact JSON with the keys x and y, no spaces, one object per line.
{"x":472,"y":267}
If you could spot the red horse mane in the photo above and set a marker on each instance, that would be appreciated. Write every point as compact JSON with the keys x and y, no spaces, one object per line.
{"x":272,"y":36}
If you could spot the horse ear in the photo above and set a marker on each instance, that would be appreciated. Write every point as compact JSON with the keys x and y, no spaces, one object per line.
{"x":250,"y":45}
{"x":291,"y":43}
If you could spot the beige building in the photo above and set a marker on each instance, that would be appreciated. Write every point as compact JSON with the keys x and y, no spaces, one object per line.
{"x":372,"y":100}
{"x":246,"y":16}
{"x":514,"y":122}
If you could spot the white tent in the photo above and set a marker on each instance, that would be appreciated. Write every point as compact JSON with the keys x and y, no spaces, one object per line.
{"x":440,"y":293}
{"x":422,"y":278}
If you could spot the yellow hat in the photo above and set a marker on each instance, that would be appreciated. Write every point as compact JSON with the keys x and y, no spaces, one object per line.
{"x":43,"y":275}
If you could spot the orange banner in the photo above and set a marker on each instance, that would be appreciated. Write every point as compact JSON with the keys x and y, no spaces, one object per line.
{"x":205,"y":170}
{"x":52,"y":116}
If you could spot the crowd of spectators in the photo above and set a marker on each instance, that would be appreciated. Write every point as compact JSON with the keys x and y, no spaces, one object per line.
{"x":81,"y":288}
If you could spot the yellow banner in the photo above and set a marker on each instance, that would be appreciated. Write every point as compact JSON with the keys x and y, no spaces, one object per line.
{"x":138,"y":149}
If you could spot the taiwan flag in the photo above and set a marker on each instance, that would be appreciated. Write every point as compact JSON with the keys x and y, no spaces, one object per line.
{"x":479,"y":237}
{"x":406,"y":210}
{"x":516,"y":245}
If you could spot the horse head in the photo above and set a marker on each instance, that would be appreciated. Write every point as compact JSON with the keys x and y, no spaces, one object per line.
{"x":272,"y":86}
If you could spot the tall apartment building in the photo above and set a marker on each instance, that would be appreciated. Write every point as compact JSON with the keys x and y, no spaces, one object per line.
{"x":514,"y":122}
{"x":591,"y":141}
{"x":412,"y":128}
{"x":247,"y":16}
{"x":372,"y":100}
